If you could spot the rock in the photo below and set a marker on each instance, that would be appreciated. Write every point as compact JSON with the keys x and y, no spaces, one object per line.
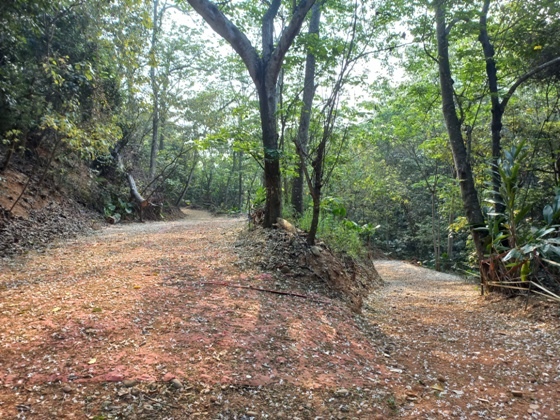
{"x":287,"y":226}
{"x":114,"y":377}
{"x":168,"y":377}
{"x":67,"y":389}
{"x":316,"y":251}
{"x":342,"y":392}
{"x":122,"y":392}
{"x":176,"y":383}
{"x":129,"y":383}
{"x":344,"y":408}
{"x":518,"y":394}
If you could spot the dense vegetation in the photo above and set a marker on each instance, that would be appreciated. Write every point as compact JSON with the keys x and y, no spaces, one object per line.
{"x":326,"y":112}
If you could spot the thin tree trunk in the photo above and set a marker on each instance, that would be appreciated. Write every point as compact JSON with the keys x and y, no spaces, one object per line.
{"x":155,"y":93}
{"x":240,"y":185}
{"x":435,"y":228}
{"x":187,"y":184}
{"x":473,"y":211}
{"x":305,"y":117}
{"x":58,"y":140}
{"x":497,"y":110}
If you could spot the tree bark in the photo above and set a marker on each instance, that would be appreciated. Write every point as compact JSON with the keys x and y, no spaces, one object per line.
{"x":499,"y":105}
{"x":305,"y":117}
{"x":473,"y":211}
{"x":497,"y":110}
{"x":264,"y":70}
{"x":155,"y":93}
{"x":187,"y":184}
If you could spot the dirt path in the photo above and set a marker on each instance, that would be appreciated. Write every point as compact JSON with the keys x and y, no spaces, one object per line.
{"x":462,"y":355}
{"x":135,"y":322}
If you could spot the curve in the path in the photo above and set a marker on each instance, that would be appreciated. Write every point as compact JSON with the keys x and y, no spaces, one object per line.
{"x":447,"y":343}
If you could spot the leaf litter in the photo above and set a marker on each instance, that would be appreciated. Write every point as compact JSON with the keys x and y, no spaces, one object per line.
{"x":137,"y":334}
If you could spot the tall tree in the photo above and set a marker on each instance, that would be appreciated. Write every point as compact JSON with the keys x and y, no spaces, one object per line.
{"x":499,"y":102}
{"x":264,"y":69}
{"x":305,"y":117}
{"x":473,"y":210}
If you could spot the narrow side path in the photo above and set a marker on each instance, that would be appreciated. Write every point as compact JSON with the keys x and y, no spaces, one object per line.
{"x":460,"y":355}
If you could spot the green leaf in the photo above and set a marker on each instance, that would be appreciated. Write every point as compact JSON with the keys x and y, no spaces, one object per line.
{"x":513,"y":253}
{"x":548,"y":212}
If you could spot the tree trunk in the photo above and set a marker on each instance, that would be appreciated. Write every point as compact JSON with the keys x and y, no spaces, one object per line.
{"x":315,"y":219}
{"x":240,"y":183}
{"x":155,"y":93}
{"x":497,"y":110}
{"x":305,"y":117}
{"x":187,"y":184}
{"x":473,"y":211}
{"x":435,"y":233}
{"x":264,"y":70}
{"x":272,"y":177}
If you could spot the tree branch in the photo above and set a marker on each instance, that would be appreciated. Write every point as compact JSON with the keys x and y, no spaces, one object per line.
{"x":288,"y":36}
{"x":227,"y":30}
{"x":524,"y":78}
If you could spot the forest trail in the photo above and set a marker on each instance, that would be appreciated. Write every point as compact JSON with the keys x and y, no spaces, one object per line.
{"x":463,"y":355}
{"x":138,"y":321}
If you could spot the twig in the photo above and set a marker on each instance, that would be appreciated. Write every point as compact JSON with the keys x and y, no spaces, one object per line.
{"x":162,"y":402}
{"x":276,"y":292}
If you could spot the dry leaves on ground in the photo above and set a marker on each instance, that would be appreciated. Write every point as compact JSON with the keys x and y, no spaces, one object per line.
{"x":135,"y":322}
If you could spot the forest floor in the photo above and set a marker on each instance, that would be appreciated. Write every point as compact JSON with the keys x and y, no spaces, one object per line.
{"x":142,"y":321}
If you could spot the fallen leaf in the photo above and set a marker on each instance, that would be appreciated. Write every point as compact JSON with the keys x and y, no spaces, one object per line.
{"x":56,"y":309}
{"x":438,"y":387}
{"x":92,"y":361}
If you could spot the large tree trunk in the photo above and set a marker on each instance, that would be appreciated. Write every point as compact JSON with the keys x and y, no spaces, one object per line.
{"x":305,"y":117}
{"x":473,"y":211}
{"x":272,"y":177}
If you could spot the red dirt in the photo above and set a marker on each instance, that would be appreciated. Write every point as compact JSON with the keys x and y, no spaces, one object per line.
{"x":121,"y":324}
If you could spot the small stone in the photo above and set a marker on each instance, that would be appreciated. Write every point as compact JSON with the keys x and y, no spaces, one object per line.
{"x":441,"y":379}
{"x":129,"y":383}
{"x":316,"y":251}
{"x":168,"y":377}
{"x":122,"y":392}
{"x":517,"y":394}
{"x":342,"y":392}
{"x":67,"y":389}
{"x":114,"y":377}
{"x":176,"y":383}
{"x":344,"y":408}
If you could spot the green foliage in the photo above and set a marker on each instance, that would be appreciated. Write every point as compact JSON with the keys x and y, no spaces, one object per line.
{"x":340,"y":233}
{"x":118,"y":208}
{"x":515,"y":236}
